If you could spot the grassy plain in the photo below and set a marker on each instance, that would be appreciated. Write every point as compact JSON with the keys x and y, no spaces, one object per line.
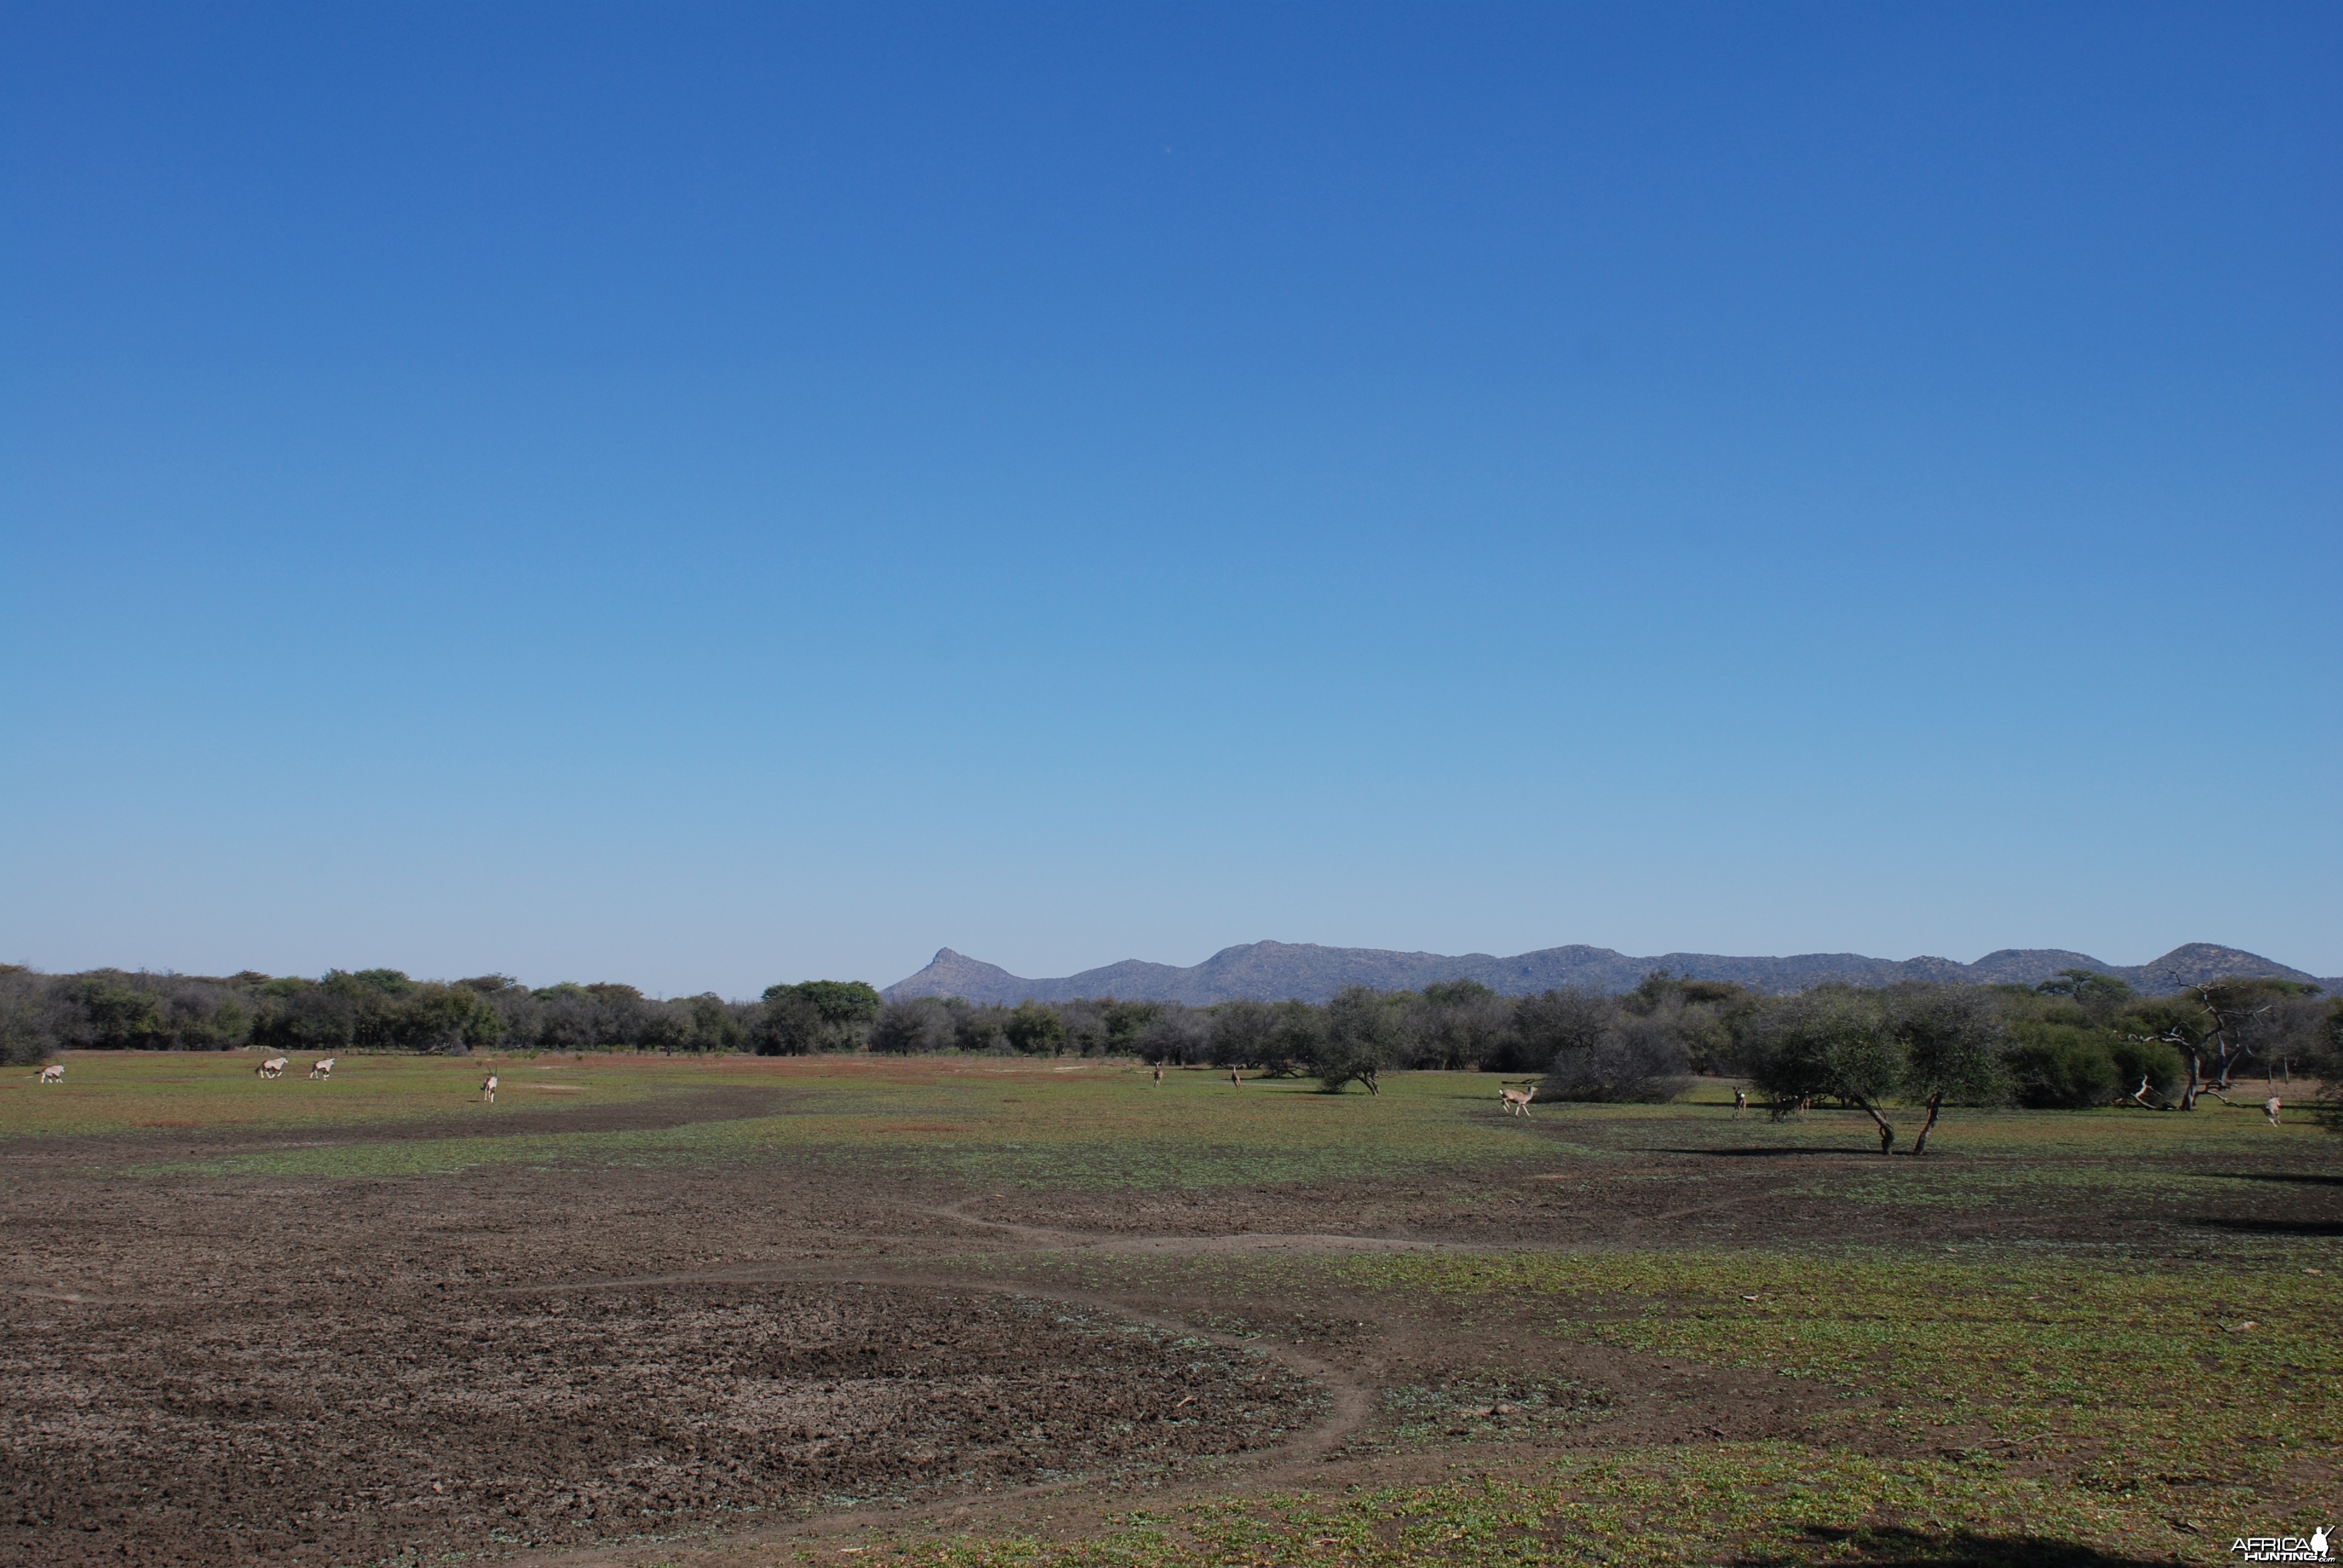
{"x":1605,"y":1335}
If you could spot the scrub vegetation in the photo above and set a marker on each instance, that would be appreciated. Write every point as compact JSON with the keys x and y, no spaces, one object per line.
{"x":2079,"y":1039}
{"x":719,"y":1310}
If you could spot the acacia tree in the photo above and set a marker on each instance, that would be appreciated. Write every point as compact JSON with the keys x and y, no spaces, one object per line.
{"x":1035,"y":1029}
{"x":1459,"y":1023}
{"x":815,"y":1015}
{"x":29,"y":1016}
{"x":1832,"y":1042}
{"x":1241,"y":1033}
{"x":1126,"y":1022}
{"x":1362,"y":1035}
{"x":1951,"y":1043}
{"x":1174,"y":1034}
{"x":2172,"y":1022}
{"x":2252,"y":1018}
{"x":1294,"y":1040}
{"x":444,"y":1018}
{"x":918,"y":1024}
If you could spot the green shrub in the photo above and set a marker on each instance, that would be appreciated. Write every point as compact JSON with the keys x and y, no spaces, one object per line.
{"x":2059,"y":1067}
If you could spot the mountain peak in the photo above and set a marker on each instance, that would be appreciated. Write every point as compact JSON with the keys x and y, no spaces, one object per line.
{"x":1273,"y":971}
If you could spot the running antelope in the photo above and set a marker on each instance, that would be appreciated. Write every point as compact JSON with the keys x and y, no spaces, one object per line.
{"x":2269,"y":1109}
{"x":322,"y":1069}
{"x":273,"y":1068}
{"x":1516,"y":1101}
{"x":53,"y":1073}
{"x":488,"y":1089}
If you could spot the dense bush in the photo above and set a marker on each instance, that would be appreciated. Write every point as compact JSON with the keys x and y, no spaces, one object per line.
{"x":2063,"y":1067}
{"x":909,"y":1027}
{"x":368,"y":1010}
{"x":1633,"y":1058}
{"x":2077,"y":1040}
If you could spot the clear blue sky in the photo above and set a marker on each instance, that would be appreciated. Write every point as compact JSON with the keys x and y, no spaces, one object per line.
{"x":705,"y":496}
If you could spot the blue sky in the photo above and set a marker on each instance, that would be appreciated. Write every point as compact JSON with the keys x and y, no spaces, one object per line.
{"x":705,"y":495}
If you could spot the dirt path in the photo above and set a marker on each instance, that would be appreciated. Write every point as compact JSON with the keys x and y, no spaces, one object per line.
{"x":1317,"y":1455}
{"x":728,"y":1364}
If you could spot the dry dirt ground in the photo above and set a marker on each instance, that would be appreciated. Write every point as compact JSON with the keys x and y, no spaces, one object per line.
{"x":560,"y":1366}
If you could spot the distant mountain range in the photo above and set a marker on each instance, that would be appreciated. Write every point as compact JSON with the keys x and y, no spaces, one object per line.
{"x":1272,"y":971}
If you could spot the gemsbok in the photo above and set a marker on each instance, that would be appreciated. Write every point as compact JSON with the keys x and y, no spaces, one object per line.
{"x":53,"y":1073}
{"x":488,"y":1089}
{"x":322,"y":1069}
{"x":273,"y":1068}
{"x":1516,"y":1101}
{"x":2269,"y":1109}
{"x":1740,"y":1100}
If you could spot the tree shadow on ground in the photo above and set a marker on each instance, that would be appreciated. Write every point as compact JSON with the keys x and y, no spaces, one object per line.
{"x":2271,"y":1227}
{"x":1852,"y":1150}
{"x":1896,"y":1547}
{"x":2302,"y":1178}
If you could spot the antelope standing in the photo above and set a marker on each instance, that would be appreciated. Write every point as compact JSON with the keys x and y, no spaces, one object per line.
{"x":1740,"y":1100}
{"x":1159,"y":1075}
{"x":488,"y":1089}
{"x":1235,"y":1078}
{"x":53,"y":1073}
{"x":2269,"y":1109}
{"x":1516,"y":1101}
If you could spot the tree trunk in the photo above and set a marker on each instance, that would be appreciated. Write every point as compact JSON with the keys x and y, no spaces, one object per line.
{"x":1887,"y":1132}
{"x":1920,"y":1144}
{"x":2195,"y":1078}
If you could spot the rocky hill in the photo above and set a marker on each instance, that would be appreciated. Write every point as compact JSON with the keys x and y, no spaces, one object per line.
{"x":1275,"y":971}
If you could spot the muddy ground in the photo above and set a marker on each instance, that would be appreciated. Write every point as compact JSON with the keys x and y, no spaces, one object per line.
{"x":550,"y":1365}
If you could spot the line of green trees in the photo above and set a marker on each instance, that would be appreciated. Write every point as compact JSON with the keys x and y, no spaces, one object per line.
{"x":384,"y":1010}
{"x":2082,"y":1039}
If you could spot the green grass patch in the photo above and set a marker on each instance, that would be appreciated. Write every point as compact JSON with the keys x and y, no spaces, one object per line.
{"x":2133,"y":1380}
{"x":128,"y":1093}
{"x":1759,"y":1503}
{"x":1035,"y":1124}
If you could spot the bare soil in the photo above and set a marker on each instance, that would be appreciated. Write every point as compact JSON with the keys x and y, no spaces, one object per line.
{"x":571,"y":1365}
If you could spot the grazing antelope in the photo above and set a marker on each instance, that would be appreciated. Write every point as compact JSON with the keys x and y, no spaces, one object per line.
{"x":2269,"y":1109}
{"x":1740,"y":1100}
{"x":322,"y":1069}
{"x":53,"y":1073}
{"x":273,"y":1068}
{"x":1516,"y":1101}
{"x":488,"y":1089}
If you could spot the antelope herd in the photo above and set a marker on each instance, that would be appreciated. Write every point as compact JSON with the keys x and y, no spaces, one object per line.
{"x":320,"y":1072}
{"x":1512,"y":1100}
